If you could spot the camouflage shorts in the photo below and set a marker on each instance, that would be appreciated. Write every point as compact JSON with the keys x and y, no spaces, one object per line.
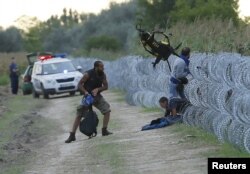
{"x":100,"y":103}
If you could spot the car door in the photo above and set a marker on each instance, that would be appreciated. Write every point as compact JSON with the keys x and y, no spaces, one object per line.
{"x":36,"y":77}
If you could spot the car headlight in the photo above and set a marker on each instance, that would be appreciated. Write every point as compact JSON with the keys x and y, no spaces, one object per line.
{"x":78,"y":78}
{"x":49,"y":81}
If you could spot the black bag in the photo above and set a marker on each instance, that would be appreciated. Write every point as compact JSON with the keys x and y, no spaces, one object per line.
{"x":89,"y":123}
{"x":183,"y":80}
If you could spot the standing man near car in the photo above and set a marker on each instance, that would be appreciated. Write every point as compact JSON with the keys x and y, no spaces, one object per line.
{"x":93,"y":82}
{"x":14,"y":72}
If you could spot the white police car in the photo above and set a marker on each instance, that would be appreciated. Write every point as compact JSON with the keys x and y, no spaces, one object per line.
{"x":54,"y":76}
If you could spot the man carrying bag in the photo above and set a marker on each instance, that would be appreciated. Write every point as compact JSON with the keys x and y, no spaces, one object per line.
{"x":93,"y":83}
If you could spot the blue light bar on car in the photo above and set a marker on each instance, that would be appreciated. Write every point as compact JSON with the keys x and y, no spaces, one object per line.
{"x":60,"y":55}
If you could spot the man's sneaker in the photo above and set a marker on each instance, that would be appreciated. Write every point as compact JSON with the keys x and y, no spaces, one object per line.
{"x":71,"y":138}
{"x":105,"y":132}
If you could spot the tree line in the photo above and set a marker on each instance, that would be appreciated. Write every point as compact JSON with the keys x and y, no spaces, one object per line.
{"x":112,"y":29}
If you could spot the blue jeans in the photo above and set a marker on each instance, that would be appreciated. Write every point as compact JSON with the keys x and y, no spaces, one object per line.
{"x":14,"y":84}
{"x":173,"y":93}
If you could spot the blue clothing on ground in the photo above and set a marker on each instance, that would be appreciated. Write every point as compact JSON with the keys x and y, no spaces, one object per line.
{"x":162,"y":122}
{"x":174,"y":119}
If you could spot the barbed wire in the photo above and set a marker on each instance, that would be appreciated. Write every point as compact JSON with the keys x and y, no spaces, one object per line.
{"x":219,"y":90}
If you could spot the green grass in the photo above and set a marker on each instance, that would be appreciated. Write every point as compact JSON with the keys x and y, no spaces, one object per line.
{"x":151,"y":110}
{"x":15,"y":170}
{"x":200,"y":137}
{"x":4,"y":80}
{"x":118,"y":91}
{"x":11,"y":122}
{"x":121,"y":95}
{"x":100,"y":54}
{"x":110,"y":152}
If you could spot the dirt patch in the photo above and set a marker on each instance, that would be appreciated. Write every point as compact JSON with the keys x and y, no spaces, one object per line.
{"x":127,"y":151}
{"x":3,"y":96}
{"x":22,"y":131}
{"x":23,"y":142}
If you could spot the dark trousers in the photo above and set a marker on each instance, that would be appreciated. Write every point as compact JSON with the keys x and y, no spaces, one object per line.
{"x":14,"y":85}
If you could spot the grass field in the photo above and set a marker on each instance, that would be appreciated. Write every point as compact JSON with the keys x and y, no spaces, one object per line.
{"x":5,"y":60}
{"x":213,"y":35}
{"x":14,"y":128}
{"x":200,"y":136}
{"x":4,"y":79}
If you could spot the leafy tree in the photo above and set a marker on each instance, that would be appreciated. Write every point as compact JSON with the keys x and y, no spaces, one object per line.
{"x":33,"y":39}
{"x":162,"y":13}
{"x":11,"y":40}
{"x":103,"y":42}
{"x":189,"y":10}
{"x":154,"y":13}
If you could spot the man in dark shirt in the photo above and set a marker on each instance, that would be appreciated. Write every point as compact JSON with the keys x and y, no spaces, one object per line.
{"x":13,"y":71}
{"x":93,"y":82}
{"x":164,"y":104}
{"x":172,"y":106}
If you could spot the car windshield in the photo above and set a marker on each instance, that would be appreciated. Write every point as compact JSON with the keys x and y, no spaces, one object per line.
{"x":55,"y":68}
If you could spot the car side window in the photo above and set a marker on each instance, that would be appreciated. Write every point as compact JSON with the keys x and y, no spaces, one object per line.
{"x":30,"y":71}
{"x":37,"y":69}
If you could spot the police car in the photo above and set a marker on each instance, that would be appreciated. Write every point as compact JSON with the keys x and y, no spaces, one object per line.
{"x":54,"y":75}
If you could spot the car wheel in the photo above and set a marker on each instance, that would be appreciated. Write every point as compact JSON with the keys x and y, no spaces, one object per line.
{"x":35,"y":94}
{"x":24,"y":93}
{"x":45,"y":95}
{"x":72,"y":93}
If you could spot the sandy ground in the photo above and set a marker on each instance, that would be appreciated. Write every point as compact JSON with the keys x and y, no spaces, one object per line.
{"x":128,"y":150}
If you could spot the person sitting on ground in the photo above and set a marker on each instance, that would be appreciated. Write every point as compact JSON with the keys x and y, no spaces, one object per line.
{"x":173,"y":109}
{"x":173,"y":106}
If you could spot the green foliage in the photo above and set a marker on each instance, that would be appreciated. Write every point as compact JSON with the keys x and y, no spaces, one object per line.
{"x":189,"y":10}
{"x":103,"y":42}
{"x":159,"y":13}
{"x":155,"y":12}
{"x":200,"y":136}
{"x":33,"y":40}
{"x":4,"y":79}
{"x":204,"y":25}
{"x":104,"y":54}
{"x":72,"y":32}
{"x":11,"y":40}
{"x":212,"y":35}
{"x":207,"y":35}
{"x":55,"y":33}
